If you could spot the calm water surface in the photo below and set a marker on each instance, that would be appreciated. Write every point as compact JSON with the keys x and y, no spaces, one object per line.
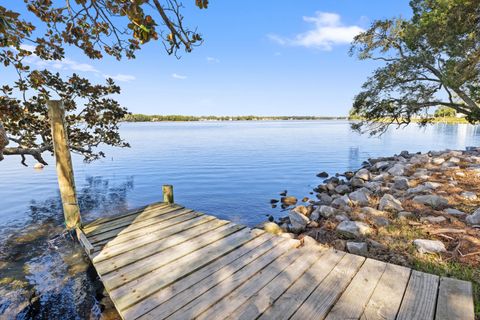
{"x":229,"y":169}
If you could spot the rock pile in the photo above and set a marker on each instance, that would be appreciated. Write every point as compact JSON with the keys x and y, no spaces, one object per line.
{"x":422,"y":190}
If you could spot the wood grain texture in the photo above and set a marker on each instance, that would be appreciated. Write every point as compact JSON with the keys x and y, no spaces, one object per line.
{"x":387,"y":297}
{"x":454,"y":300}
{"x":329,"y":290}
{"x":352,"y":302}
{"x":420,"y":297}
{"x":296,"y":295}
{"x":200,"y":304}
{"x":263,"y":299}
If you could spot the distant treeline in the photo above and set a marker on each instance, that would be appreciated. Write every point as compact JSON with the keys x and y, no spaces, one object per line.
{"x":155,"y":118}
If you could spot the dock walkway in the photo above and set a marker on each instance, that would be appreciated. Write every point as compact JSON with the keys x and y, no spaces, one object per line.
{"x":168,"y":262}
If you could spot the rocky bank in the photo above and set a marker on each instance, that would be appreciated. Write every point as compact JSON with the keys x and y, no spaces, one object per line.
{"x":399,"y":209}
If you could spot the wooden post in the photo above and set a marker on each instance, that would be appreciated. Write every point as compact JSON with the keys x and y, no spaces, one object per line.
{"x":66,"y":181}
{"x":167,"y":190}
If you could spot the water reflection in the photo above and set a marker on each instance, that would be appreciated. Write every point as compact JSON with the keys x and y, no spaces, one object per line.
{"x":43,"y":272}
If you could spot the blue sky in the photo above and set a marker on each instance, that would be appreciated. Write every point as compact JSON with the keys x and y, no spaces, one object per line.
{"x":259,"y":57}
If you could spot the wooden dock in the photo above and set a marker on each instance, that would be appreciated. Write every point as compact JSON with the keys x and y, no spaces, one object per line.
{"x":167,"y":262}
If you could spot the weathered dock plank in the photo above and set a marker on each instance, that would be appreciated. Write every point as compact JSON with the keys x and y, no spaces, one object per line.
{"x":420,"y":297}
{"x":459,"y":308}
{"x":164,"y":261}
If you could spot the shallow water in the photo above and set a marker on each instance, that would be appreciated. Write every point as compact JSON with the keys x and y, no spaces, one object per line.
{"x":229,"y":169}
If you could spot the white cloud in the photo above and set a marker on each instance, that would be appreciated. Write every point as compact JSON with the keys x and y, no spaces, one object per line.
{"x":121,"y":77}
{"x":212,"y":60}
{"x":65,"y":64}
{"x":328,"y":31}
{"x":177,"y":76}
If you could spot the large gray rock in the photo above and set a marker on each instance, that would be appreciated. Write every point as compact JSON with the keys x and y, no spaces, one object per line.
{"x":418,"y":189}
{"x":357,"y":182}
{"x":433,"y":219}
{"x":390,"y":203}
{"x":298,"y":221}
{"x":323,"y":211}
{"x":454,"y":212}
{"x":438,"y":161}
{"x":373,"y":212}
{"x":342,"y":189}
{"x":474,"y":218}
{"x":352,"y":229}
{"x":341,"y":202}
{"x":433,"y":201}
{"x":420,"y":159}
{"x":381,"y":165}
{"x":454,"y":160}
{"x":429,"y":246}
{"x":397,"y":170}
{"x":432,"y":185}
{"x":401,"y":183}
{"x":363,"y":174}
{"x":324,"y":198}
{"x":381,"y":177}
{"x":381,"y":221}
{"x":360,"y":197}
{"x":360,"y":248}
{"x":373,"y":186}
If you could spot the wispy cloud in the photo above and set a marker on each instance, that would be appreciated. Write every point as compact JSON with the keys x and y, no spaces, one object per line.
{"x":212,"y":60}
{"x":121,"y":77}
{"x":328,"y":31}
{"x":178,"y":76}
{"x":65,"y":64}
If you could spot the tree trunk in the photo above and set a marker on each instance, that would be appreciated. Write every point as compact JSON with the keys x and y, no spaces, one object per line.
{"x":3,"y":140}
{"x":66,"y":181}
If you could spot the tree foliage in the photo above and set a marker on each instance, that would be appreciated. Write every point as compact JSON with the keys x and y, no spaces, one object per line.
{"x":431,"y":60}
{"x":445,"y":112}
{"x":115,"y":28}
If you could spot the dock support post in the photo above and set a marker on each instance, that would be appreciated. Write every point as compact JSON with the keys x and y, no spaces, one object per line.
{"x":66,"y":181}
{"x":167,"y":190}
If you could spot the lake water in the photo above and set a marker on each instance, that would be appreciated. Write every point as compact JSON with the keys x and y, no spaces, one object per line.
{"x":228,"y":169}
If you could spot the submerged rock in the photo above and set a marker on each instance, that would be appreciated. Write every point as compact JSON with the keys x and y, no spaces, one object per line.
{"x":322,"y":174}
{"x":429,"y":246}
{"x":289,"y":201}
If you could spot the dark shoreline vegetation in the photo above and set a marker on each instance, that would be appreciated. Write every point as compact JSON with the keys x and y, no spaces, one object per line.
{"x":160,"y":118}
{"x":186,"y":118}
